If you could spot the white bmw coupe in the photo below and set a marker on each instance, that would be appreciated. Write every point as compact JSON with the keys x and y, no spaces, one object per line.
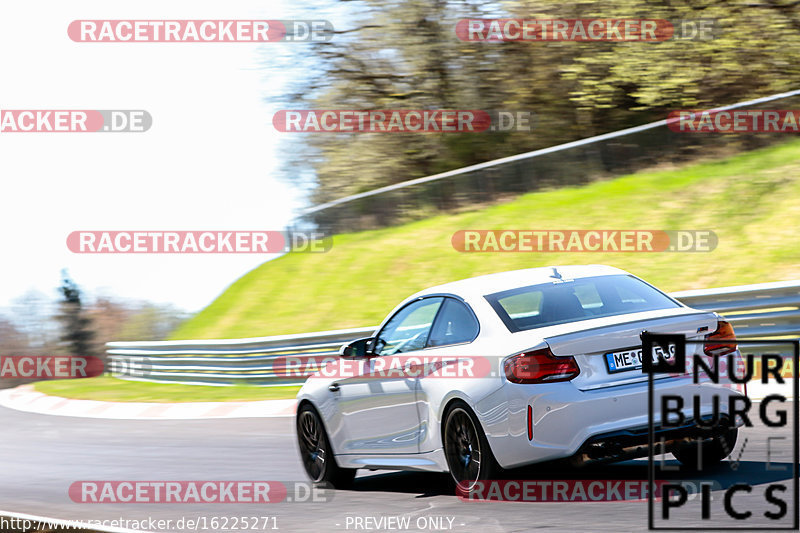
{"x":504,"y":370}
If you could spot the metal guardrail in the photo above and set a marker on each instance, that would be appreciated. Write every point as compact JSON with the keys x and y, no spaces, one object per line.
{"x":573,"y":163}
{"x":756,"y":311}
{"x":224,"y":362}
{"x":535,"y":153}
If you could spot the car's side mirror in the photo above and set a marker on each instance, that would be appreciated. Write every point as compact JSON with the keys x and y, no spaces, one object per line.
{"x":357,"y":348}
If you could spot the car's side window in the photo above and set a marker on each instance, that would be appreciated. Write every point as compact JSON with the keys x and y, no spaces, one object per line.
{"x":455,"y":324}
{"x":408,"y":329}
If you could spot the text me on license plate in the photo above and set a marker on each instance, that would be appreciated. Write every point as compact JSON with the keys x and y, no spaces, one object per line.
{"x":632,"y":359}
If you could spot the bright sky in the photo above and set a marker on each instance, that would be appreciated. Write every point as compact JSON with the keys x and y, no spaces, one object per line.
{"x":208,"y":162}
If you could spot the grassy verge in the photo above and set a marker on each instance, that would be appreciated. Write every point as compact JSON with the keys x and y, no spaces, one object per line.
{"x":752,"y":202}
{"x":106,"y":388}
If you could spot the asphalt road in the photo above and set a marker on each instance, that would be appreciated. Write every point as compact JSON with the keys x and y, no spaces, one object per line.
{"x":43,"y":455}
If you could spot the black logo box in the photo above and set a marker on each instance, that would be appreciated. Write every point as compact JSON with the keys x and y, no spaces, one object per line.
{"x":649,"y":341}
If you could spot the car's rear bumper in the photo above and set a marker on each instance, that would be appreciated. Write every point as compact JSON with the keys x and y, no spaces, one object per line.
{"x":565,"y":419}
{"x":633,"y":443}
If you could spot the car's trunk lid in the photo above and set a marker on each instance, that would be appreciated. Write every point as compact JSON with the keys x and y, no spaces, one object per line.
{"x":591,"y":347}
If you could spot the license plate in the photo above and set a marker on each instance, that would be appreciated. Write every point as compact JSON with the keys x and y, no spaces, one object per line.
{"x":632,"y":359}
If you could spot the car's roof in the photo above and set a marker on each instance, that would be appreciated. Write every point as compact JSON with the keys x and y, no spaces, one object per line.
{"x":490,"y":283}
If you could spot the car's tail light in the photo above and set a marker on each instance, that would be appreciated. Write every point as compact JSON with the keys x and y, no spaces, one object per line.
{"x":540,"y":366}
{"x":724,"y":332}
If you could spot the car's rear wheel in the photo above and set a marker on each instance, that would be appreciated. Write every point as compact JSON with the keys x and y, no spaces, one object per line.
{"x":707,"y":453}
{"x":316,"y":452}
{"x":466,"y":449}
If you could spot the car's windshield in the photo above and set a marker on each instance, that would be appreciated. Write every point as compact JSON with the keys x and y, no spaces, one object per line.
{"x":566,"y":300}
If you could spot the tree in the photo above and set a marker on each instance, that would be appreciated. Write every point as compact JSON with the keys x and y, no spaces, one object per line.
{"x":76,"y":327}
{"x":12,"y":340}
{"x":33,"y":316}
{"x":404,"y":54}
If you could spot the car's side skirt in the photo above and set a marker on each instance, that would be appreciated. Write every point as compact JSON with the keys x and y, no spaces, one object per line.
{"x":421,"y":462}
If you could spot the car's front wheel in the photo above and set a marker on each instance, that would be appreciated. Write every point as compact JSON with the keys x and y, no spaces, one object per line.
{"x":316,"y":452}
{"x":707,"y":453}
{"x":466,"y":449}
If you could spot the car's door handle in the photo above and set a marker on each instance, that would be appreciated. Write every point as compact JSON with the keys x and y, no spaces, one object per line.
{"x":333,"y":387}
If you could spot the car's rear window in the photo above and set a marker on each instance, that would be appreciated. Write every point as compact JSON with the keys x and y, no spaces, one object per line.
{"x":562,"y":301}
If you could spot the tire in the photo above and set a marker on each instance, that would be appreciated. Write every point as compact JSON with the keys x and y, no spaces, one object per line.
{"x":466,"y":449}
{"x":712,"y":450}
{"x":316,"y":452}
